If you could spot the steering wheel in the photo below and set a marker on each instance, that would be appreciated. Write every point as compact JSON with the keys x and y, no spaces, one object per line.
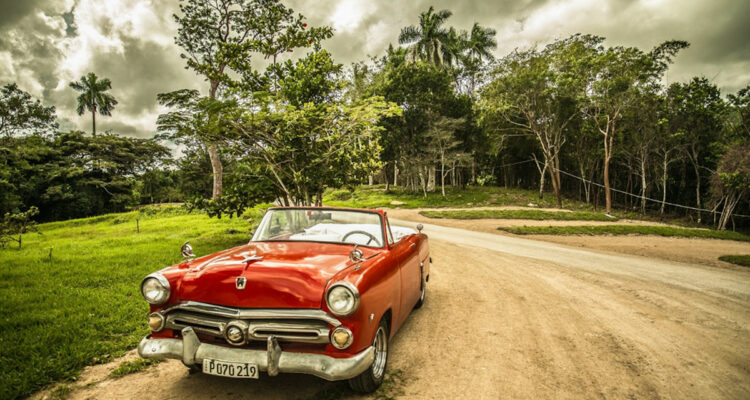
{"x":368,"y":234}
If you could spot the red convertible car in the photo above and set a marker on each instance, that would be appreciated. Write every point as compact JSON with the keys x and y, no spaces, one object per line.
{"x":316,"y":291}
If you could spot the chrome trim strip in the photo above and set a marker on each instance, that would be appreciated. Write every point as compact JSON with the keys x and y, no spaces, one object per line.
{"x":304,"y":331}
{"x":191,"y":351}
{"x":254,"y":313}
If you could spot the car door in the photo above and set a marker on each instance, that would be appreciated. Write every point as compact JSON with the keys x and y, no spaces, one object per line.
{"x":406,"y":250}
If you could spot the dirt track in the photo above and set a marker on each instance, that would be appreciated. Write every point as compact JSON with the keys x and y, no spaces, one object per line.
{"x":520,"y":319}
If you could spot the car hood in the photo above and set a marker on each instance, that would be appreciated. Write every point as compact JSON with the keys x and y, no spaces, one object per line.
{"x":277,"y":274}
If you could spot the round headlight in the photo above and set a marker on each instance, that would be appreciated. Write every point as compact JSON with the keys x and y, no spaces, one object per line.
{"x":342,"y":299}
{"x":155,"y":289}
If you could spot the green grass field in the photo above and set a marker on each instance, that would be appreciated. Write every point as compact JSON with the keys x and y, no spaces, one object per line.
{"x":83,"y":306}
{"x":472,"y":196}
{"x":538,"y":215}
{"x":626,"y":230}
{"x":741,"y":260}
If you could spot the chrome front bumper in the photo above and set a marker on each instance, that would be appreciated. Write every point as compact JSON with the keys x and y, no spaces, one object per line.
{"x":273,"y":360}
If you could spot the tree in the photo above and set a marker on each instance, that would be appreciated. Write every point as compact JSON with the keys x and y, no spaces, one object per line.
{"x":93,"y":97}
{"x":731,"y":181}
{"x":21,"y":114}
{"x":315,"y":146}
{"x":536,"y":93}
{"x":430,"y":41}
{"x":644,"y":124}
{"x":698,"y":114}
{"x":442,"y":143}
{"x":617,"y":74}
{"x":739,"y":118}
{"x":476,"y":46}
{"x":418,"y":88}
{"x":219,"y":37}
{"x":18,"y":223}
{"x":72,"y":175}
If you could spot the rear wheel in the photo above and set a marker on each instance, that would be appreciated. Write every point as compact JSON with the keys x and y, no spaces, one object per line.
{"x":370,"y":380}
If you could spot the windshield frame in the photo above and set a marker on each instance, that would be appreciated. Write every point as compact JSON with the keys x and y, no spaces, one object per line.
{"x":266,"y":219}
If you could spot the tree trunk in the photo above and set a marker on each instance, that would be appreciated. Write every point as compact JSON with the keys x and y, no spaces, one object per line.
{"x":608,"y":142}
{"x":385,"y":178}
{"x":643,"y":185}
{"x":697,"y":187}
{"x":607,"y":194}
{"x":442,"y":174}
{"x":395,"y":174}
{"x":665,"y":165}
{"x":555,"y":176}
{"x":93,"y":123}
{"x":213,"y":154}
{"x":586,"y":185}
{"x":431,"y":178}
{"x":542,"y":174}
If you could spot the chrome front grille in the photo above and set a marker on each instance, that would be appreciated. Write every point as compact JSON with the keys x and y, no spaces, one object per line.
{"x":291,"y":325}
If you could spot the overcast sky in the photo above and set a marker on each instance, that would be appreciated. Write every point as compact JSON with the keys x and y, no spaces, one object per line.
{"x":44,"y":44}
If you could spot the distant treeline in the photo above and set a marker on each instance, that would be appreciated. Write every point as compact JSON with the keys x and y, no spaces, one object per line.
{"x":437,"y":110}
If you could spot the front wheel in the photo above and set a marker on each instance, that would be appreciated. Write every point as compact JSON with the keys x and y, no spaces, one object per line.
{"x":370,"y":380}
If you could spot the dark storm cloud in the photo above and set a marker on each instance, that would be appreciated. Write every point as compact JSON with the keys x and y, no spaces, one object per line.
{"x":40,"y":41}
{"x":140,"y":71}
{"x":15,"y":10}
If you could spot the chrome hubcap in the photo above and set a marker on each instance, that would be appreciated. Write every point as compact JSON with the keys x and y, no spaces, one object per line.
{"x":381,"y":353}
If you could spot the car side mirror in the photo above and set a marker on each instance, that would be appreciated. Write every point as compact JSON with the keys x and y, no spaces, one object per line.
{"x":187,"y":250}
{"x":420,"y":227}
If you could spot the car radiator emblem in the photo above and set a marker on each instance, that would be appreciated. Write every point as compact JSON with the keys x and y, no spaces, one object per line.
{"x":240,"y":282}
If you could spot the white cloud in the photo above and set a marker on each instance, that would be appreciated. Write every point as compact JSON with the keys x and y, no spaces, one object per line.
{"x":348,"y":14}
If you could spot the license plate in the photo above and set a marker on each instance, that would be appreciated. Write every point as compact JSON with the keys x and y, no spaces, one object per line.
{"x":230,"y":369}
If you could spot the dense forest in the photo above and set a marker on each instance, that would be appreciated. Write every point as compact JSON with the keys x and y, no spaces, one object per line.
{"x":575,"y":117}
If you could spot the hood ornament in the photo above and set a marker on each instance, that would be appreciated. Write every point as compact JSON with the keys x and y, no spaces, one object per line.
{"x":187,"y":251}
{"x":240,"y":282}
{"x":356,"y":254}
{"x":252,"y":258}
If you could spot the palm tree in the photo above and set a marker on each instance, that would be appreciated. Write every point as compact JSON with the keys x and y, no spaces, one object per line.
{"x":478,"y":42}
{"x":476,"y":46}
{"x":93,"y":97}
{"x":430,"y":41}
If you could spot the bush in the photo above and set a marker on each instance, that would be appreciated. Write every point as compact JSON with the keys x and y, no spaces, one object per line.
{"x":340,"y":194}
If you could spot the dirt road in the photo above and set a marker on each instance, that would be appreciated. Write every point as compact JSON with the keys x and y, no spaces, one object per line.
{"x":510,"y":318}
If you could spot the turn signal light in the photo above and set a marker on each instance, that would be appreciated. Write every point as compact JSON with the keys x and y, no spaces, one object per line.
{"x":341,"y":338}
{"x":156,"y":322}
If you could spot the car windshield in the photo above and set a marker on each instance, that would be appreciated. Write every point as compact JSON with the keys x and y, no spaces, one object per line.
{"x":321,"y":225}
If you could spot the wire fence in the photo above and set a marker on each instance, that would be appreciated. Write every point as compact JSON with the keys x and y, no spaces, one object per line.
{"x":638,"y":196}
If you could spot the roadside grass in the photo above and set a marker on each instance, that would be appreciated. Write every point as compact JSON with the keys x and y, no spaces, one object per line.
{"x":131,"y":367}
{"x":538,"y":215}
{"x":83,"y":305}
{"x":472,"y":196}
{"x":375,"y":196}
{"x":626,"y":230}
{"x":741,"y":260}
